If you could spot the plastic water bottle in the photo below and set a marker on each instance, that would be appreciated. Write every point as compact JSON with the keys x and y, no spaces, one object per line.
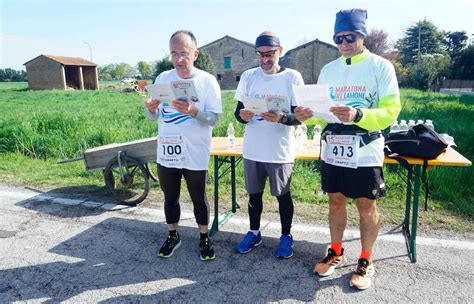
{"x":394,"y":127}
{"x":231,"y":135}
{"x":317,"y":135}
{"x":299,"y":138}
{"x":304,"y":135}
{"x":411,"y":123}
{"x":403,"y":125}
{"x":429,"y":124}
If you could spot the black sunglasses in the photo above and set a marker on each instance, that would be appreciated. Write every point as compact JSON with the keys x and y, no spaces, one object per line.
{"x":266,"y":54}
{"x":350,"y":38}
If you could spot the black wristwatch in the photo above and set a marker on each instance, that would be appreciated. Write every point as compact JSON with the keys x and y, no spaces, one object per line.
{"x":359,"y":115}
{"x":283,"y":119}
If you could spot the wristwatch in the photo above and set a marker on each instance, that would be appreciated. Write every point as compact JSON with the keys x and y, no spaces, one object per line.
{"x":359,"y":115}
{"x":283,"y":119}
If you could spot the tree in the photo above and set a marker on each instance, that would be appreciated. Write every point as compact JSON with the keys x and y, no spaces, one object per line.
{"x":429,"y":71}
{"x":9,"y":74}
{"x":144,"y":69}
{"x":377,"y":42}
{"x":163,"y":65}
{"x":455,"y":42}
{"x":463,"y":67}
{"x":107,"y":72}
{"x":420,"y":39}
{"x":124,"y":70}
{"x":205,"y":63}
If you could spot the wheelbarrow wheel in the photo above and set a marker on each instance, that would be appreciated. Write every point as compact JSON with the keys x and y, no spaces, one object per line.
{"x":152,"y":171}
{"x":127,"y":180}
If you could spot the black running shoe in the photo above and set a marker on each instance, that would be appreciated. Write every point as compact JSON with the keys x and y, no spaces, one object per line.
{"x":207,"y":252}
{"x":169,"y":246}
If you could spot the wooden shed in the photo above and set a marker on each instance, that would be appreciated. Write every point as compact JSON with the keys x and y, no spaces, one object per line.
{"x":47,"y":72}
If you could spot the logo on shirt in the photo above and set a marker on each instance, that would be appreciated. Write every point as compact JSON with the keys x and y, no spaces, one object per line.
{"x":354,"y":96}
{"x":171,"y":116}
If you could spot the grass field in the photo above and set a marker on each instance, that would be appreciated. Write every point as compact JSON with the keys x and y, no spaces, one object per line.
{"x":40,"y":128}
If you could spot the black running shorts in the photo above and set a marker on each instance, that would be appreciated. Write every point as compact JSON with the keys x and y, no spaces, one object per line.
{"x":365,"y":182}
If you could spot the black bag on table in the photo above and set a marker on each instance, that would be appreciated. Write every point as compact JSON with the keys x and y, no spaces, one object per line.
{"x":418,"y":141}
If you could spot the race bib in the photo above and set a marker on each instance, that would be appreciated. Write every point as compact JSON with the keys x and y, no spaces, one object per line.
{"x":342,"y":150}
{"x":172,"y":150}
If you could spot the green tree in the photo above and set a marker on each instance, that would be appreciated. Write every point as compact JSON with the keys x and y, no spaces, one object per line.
{"x":124,"y":70}
{"x":9,"y":74}
{"x":455,"y":42}
{"x":205,"y":63}
{"x":421,"y":39}
{"x":426,"y":75}
{"x":107,"y":72}
{"x":163,"y":65}
{"x":463,"y":67}
{"x":144,"y":68}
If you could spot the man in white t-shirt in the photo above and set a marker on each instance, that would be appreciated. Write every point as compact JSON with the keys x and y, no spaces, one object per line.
{"x":365,"y":90}
{"x":184,"y":140}
{"x":269,"y":149}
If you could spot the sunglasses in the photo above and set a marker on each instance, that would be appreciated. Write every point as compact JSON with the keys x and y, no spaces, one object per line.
{"x":350,"y":38}
{"x":266,"y":54}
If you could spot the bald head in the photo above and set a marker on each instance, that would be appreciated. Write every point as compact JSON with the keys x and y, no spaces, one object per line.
{"x":184,"y":36}
{"x":268,"y":33}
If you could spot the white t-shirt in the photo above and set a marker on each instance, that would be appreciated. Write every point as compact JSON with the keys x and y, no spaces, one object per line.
{"x":264,"y":141}
{"x":362,"y":85}
{"x":198,"y":135}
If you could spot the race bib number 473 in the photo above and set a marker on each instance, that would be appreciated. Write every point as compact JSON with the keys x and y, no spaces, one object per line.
{"x":172,"y":150}
{"x":342,"y":150}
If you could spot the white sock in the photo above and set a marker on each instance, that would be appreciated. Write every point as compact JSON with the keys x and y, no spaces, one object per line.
{"x":255,"y":232}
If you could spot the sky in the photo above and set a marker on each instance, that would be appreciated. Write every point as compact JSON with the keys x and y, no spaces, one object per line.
{"x":115,"y":31}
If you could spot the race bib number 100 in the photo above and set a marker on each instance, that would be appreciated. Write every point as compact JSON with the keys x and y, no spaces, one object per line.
{"x":342,"y":150}
{"x":172,"y":150}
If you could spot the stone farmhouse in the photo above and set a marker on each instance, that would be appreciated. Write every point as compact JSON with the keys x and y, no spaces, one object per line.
{"x":232,"y":57}
{"x":309,"y":59}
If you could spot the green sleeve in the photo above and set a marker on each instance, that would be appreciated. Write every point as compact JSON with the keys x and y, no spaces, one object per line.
{"x":383,"y":116}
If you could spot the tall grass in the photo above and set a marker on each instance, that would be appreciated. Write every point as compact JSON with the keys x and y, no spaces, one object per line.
{"x":55,"y":125}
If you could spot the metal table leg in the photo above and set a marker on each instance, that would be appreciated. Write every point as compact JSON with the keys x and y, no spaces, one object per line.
{"x":413,"y":182}
{"x":218,"y":162}
{"x":215,"y":223}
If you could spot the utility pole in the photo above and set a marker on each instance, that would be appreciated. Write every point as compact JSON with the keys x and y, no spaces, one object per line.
{"x":90,"y":49}
{"x":419,"y":42}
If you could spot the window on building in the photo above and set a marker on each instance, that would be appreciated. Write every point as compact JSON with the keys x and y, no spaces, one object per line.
{"x":227,"y":63}
{"x":219,"y":77}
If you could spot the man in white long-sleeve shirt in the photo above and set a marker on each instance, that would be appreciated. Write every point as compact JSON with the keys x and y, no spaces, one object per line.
{"x":185,"y":128}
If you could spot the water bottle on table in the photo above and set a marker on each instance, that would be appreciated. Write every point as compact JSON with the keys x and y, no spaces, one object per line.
{"x":231,"y":135}
{"x":317,"y":135}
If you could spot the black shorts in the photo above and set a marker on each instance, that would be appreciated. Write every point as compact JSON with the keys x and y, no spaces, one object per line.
{"x":365,"y":182}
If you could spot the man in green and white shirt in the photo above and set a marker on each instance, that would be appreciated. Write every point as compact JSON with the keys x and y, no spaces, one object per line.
{"x":364,"y":88}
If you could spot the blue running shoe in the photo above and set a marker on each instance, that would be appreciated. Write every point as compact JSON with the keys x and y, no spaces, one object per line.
{"x":249,"y":242}
{"x":285,"y":250}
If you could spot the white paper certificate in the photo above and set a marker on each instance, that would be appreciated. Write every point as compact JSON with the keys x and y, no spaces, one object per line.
{"x":315,"y":97}
{"x":255,"y":105}
{"x":161,"y":92}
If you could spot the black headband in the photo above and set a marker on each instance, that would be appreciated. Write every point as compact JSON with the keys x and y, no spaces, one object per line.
{"x":267,"y":40}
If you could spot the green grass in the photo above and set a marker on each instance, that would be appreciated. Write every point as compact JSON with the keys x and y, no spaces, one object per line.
{"x":40,"y":128}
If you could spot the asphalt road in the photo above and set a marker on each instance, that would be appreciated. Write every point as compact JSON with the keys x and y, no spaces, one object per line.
{"x":65,"y":250}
